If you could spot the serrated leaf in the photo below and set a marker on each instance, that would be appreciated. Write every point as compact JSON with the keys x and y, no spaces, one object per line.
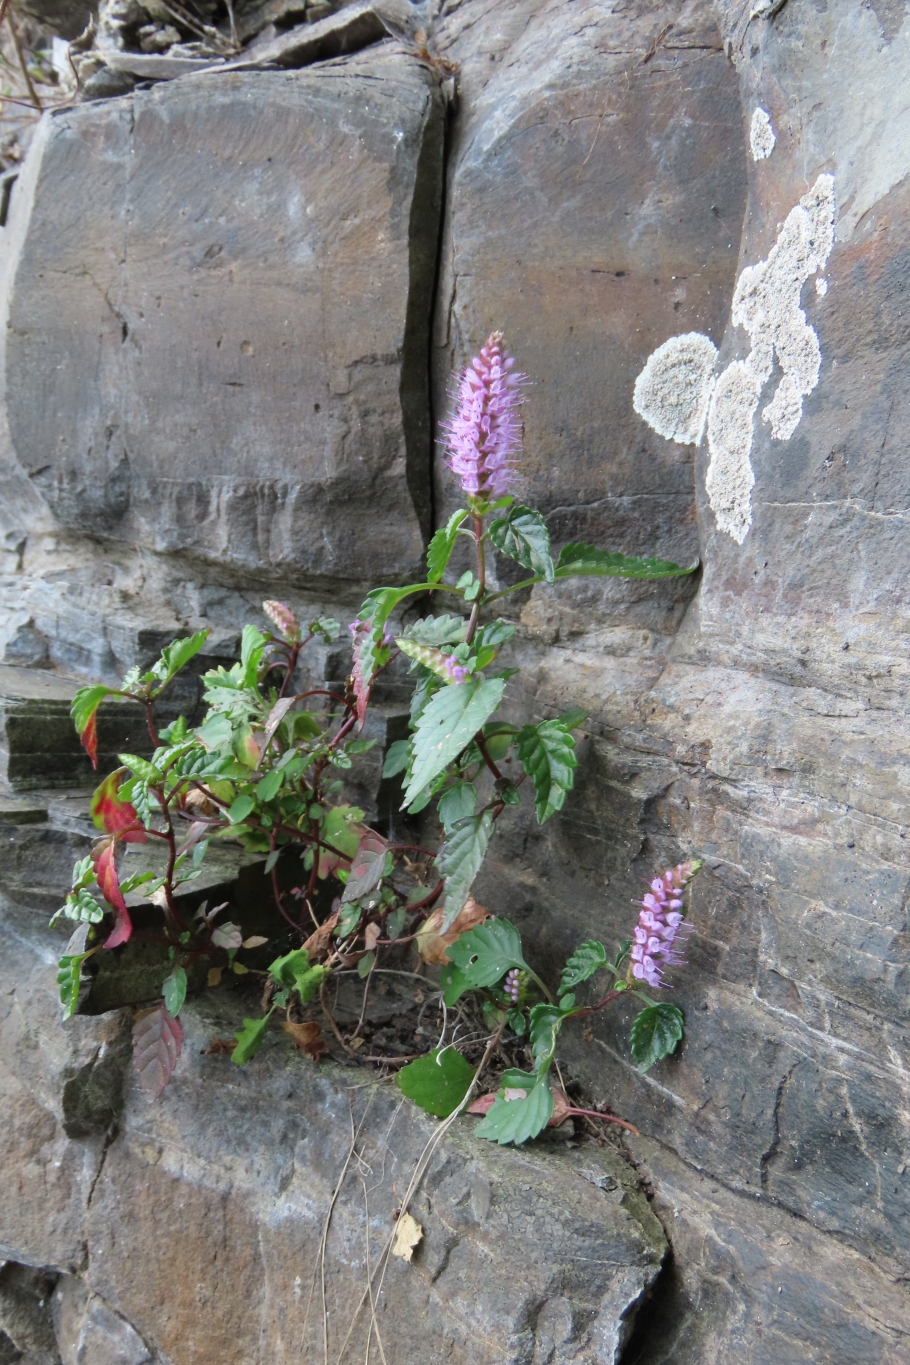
{"x":250,"y":1039}
{"x":516,"y":1117}
{"x":587,"y":959}
{"x":655,"y":1032}
{"x":367,"y":867}
{"x":547,"y":754}
{"x":437,"y":1082}
{"x":174,"y":991}
{"x":437,"y":630}
{"x":294,"y":972}
{"x":106,"y":871}
{"x":482,"y":957}
{"x":84,"y":713}
{"x":441,"y":546}
{"x":579,"y":561}
{"x":69,"y":979}
{"x":157,"y":1044}
{"x":397,"y":758}
{"x":456,"y":804}
{"x":459,"y":860}
{"x":145,"y":771}
{"x":177,"y":655}
{"x":545,"y":1023}
{"x":114,"y":815}
{"x":252,"y":648}
{"x":524,"y":537}
{"x":448,"y":722}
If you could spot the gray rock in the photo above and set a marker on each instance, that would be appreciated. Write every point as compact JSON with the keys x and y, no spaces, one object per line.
{"x":39,"y":745}
{"x":154,"y":67}
{"x":88,"y":1330}
{"x":106,"y":83}
{"x":241,"y":1166}
{"x":323,"y":311}
{"x":348,"y":30}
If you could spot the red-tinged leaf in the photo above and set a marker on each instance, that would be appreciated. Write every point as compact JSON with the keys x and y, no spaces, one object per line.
{"x":114,"y":815}
{"x":103,"y":857}
{"x":157,"y":1044}
{"x":367,"y":867}
{"x":483,"y":1105}
{"x":360,"y":683}
{"x":89,"y":739}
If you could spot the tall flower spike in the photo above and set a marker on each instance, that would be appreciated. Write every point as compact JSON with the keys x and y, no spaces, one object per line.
{"x":661,"y":931}
{"x":484,"y":432}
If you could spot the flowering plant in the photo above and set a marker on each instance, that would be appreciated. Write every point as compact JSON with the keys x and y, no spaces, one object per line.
{"x":267,"y":766}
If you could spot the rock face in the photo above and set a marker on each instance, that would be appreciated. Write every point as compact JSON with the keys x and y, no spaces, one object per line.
{"x":617,"y":177}
{"x":302,"y":206}
{"x":196,"y":1230}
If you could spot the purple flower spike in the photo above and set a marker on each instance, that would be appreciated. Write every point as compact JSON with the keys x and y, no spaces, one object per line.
{"x":484,"y":433}
{"x":455,"y":668}
{"x":661,"y":930}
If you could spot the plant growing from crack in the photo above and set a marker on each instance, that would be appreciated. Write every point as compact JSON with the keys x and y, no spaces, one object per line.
{"x":267,"y":767}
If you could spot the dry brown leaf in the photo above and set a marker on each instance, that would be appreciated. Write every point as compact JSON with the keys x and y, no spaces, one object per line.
{"x":198,"y":799}
{"x":317,"y":942}
{"x":220,"y":1047}
{"x":214,"y":977}
{"x":308,"y":1038}
{"x":371,"y":936}
{"x":431,"y":945}
{"x":254,"y":941}
{"x":408,"y":1233}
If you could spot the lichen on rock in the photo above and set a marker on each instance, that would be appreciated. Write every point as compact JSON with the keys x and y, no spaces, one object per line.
{"x":674,"y":388}
{"x":761,"y":136}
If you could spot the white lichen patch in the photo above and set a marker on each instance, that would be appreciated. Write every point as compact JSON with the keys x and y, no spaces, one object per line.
{"x":766,"y":303}
{"x":674,"y":388}
{"x":761,"y":136}
{"x":821,"y":286}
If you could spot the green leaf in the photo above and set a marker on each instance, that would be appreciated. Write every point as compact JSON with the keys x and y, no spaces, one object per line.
{"x":69,"y":972}
{"x":240,"y":809}
{"x":252,"y":648}
{"x":294,"y":971}
{"x":587,"y":959}
{"x":437,"y":630}
{"x":579,"y":561}
{"x":524,"y":537}
{"x":145,"y":771}
{"x":365,"y":965}
{"x":437,"y":1082}
{"x":80,"y":905}
{"x":547,"y":753}
{"x":86,"y":703}
{"x":516,"y":1120}
{"x":482,"y":957}
{"x":517,"y":1022}
{"x":174,"y":991}
{"x":655,"y":1032}
{"x":448,"y":722}
{"x":250,"y":1039}
{"x":459,"y":861}
{"x":350,"y":918}
{"x":397,"y":758}
{"x":441,"y":546}
{"x":545,"y":1022}
{"x":216,"y":732}
{"x":177,"y":655}
{"x":571,"y":719}
{"x":456,"y":804}
{"x":270,"y":786}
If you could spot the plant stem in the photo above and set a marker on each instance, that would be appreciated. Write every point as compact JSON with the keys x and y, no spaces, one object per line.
{"x":482,"y":579}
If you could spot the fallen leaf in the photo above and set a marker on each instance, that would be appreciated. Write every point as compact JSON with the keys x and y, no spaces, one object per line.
{"x":483,"y":1105}
{"x":214,"y":977}
{"x":308,"y":1038}
{"x":431,"y":945}
{"x":239,"y":970}
{"x":220,"y":1047}
{"x":371,"y":936}
{"x":254,"y":941}
{"x":198,"y":799}
{"x":317,"y":942}
{"x":408,"y":1233}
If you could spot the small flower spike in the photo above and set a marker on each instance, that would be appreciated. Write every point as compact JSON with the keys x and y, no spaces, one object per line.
{"x":661,"y":931}
{"x":484,"y":433}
